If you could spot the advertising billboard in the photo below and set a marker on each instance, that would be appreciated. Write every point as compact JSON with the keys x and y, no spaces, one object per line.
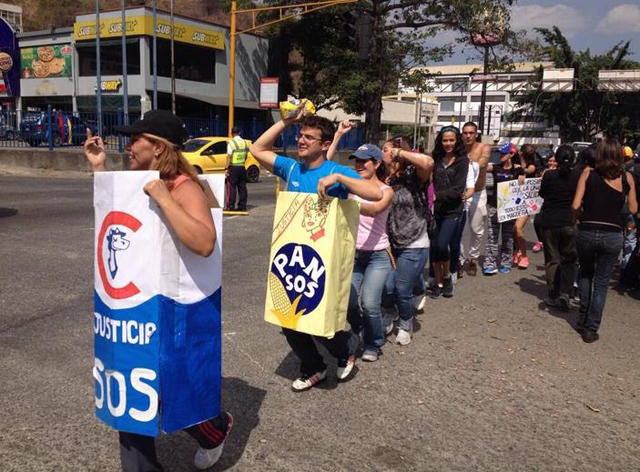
{"x":46,"y":61}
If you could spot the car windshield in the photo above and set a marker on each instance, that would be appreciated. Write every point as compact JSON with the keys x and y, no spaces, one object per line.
{"x":194,"y":145}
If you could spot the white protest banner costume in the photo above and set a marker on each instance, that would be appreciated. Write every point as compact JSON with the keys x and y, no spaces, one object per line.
{"x":515,"y":200}
{"x":157,"y":316}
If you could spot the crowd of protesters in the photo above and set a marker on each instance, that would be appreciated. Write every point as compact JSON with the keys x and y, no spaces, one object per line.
{"x":589,"y":218}
{"x":414,"y":210}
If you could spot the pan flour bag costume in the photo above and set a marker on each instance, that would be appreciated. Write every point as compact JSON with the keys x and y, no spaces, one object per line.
{"x":311,"y":263}
{"x":157,"y":315}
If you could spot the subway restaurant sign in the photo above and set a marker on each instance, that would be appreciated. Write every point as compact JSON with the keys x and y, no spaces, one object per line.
{"x":143,"y":26}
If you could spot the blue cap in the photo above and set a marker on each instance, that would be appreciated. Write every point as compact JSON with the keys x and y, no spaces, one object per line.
{"x":507,"y":148}
{"x":367,"y":151}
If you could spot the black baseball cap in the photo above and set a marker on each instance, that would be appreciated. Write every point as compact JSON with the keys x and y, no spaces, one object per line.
{"x":161,"y":123}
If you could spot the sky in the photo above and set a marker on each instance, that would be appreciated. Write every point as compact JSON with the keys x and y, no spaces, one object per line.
{"x":594,"y":24}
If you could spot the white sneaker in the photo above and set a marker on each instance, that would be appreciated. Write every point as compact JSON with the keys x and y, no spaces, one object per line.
{"x":454,"y":277}
{"x":206,"y":458}
{"x":344,"y":370}
{"x":388,"y":315}
{"x":403,"y":337}
{"x":419,"y":302}
{"x":304,"y":382}
{"x":370,"y":356}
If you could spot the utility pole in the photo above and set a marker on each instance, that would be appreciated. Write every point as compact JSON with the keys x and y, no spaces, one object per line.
{"x":125,"y":86}
{"x":173,"y":66}
{"x":98,"y":75}
{"x":483,"y":95}
{"x":283,"y":15}
{"x":155,"y":54}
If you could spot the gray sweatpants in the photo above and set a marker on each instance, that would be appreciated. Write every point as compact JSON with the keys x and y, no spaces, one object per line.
{"x":494,"y":252}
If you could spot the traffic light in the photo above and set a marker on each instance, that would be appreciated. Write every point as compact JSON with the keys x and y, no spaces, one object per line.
{"x":349,"y":28}
{"x":357,"y":31}
{"x":363,"y":32}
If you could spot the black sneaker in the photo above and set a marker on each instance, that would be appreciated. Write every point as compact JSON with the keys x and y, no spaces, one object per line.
{"x":564,"y":302}
{"x":436,"y":292}
{"x":447,"y":287}
{"x":589,"y":336}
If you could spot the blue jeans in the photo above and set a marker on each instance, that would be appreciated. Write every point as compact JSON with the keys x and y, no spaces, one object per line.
{"x":456,"y":243}
{"x":446,"y":232}
{"x":370,"y":272}
{"x":598,"y":253}
{"x":409,"y":265}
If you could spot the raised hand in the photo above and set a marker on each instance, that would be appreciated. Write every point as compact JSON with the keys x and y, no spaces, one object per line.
{"x":94,"y":151}
{"x":345,"y":126}
{"x":300,"y":113}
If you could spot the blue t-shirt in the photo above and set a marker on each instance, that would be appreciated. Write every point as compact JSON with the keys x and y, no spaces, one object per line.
{"x":301,"y":179}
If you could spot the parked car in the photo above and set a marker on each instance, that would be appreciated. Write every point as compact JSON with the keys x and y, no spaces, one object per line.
{"x":209,"y":155}
{"x":579,"y":146}
{"x":66,"y":129}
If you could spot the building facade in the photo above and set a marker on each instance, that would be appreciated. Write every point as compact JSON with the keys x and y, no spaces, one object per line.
{"x":59,"y":68}
{"x":458,"y":91}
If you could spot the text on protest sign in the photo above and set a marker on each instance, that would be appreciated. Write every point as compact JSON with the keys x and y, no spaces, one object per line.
{"x":515,"y":200}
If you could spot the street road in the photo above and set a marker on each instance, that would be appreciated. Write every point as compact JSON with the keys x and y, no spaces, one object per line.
{"x":492,"y":380}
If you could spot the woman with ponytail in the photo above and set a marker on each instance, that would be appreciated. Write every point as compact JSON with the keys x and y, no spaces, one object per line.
{"x":559,"y":233}
{"x":407,"y":174}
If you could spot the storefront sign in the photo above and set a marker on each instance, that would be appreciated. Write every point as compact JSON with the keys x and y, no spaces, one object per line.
{"x":9,"y":58}
{"x":143,"y":25}
{"x":46,"y":61}
{"x":110,"y":85}
{"x":6,"y":63}
{"x":269,"y":92}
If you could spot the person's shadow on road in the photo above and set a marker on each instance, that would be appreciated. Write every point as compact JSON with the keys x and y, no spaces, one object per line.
{"x":539,"y":289}
{"x":243,"y":401}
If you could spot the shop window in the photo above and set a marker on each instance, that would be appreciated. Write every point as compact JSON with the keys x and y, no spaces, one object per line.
{"x":191,"y":62}
{"x":110,"y":58}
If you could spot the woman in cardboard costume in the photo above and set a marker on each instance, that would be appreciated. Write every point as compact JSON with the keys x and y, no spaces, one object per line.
{"x":155,"y":145}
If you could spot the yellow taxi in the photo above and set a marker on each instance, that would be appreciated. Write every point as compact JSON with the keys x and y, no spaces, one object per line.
{"x":209,"y":155}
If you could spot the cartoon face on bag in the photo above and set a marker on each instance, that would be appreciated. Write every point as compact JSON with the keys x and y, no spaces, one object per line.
{"x":315,"y":217}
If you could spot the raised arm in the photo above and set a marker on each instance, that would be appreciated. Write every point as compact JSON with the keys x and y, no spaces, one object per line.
{"x":374,"y":209}
{"x":343,"y":128}
{"x":188,"y":214}
{"x":422,"y":162}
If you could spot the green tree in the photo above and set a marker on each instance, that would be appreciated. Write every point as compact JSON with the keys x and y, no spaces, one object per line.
{"x":319,"y":63}
{"x":585,"y":112}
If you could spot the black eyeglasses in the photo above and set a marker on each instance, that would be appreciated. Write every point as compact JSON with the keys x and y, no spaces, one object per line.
{"x":307,"y":137}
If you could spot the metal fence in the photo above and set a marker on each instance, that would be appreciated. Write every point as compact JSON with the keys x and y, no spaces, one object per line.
{"x":57,"y":129}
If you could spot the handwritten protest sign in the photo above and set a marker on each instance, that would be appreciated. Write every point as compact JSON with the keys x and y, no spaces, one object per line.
{"x":515,"y":200}
{"x":157,"y":312}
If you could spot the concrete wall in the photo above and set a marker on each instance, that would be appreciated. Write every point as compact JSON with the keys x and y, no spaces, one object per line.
{"x":70,"y":160}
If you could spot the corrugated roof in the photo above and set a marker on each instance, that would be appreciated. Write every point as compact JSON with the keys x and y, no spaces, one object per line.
{"x":453,"y":69}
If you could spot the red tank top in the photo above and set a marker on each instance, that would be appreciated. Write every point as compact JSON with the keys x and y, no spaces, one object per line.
{"x":179,"y":181}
